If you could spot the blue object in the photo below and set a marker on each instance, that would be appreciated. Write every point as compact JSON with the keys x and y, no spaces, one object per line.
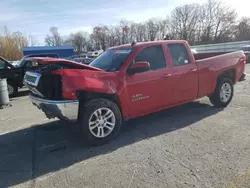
{"x":62,"y":51}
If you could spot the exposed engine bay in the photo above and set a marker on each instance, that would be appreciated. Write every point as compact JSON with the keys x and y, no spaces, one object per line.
{"x":43,"y":83}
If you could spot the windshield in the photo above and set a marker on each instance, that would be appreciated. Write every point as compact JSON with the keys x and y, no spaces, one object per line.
{"x":111,"y":60}
{"x":21,"y":62}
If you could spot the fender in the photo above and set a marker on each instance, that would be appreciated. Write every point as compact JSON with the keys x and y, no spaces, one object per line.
{"x":86,"y":80}
{"x":86,"y":84}
{"x":84,"y":96}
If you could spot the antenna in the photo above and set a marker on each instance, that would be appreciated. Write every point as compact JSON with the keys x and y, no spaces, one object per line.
{"x":133,"y":43}
{"x":167,"y":37}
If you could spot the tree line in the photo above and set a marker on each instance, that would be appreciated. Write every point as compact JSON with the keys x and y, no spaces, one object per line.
{"x":211,"y":22}
{"x":11,"y":44}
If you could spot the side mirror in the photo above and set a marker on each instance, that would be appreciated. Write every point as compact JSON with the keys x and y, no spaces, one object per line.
{"x":138,"y":67}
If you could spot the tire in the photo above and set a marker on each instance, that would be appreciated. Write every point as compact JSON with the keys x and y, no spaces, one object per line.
{"x":102,"y":133}
{"x":224,"y":85}
{"x":12,"y":89}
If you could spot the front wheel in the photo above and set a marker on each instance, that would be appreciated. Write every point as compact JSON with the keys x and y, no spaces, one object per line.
{"x":101,"y":121}
{"x":12,"y":89}
{"x":223,"y":93}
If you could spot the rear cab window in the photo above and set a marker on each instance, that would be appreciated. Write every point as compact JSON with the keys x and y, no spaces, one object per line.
{"x":154,"y":56}
{"x":179,"y":54}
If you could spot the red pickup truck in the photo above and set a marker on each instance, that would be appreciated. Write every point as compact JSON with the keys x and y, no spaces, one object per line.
{"x":128,"y":81}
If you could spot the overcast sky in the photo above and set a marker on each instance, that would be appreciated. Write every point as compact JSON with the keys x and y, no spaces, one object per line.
{"x":34,"y":17}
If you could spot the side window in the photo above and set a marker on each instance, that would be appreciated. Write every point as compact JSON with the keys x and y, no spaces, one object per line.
{"x":179,"y":54}
{"x":2,"y":64}
{"x":154,"y":55}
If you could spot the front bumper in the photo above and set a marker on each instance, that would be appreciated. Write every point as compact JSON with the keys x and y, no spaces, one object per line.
{"x":64,"y":110}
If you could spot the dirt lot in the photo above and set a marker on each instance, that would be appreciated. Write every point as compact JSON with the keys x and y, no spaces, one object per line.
{"x":195,"y":145}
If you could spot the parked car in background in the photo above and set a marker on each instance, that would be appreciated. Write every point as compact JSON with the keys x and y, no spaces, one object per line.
{"x":129,"y":81}
{"x":83,"y":60}
{"x":14,"y":63}
{"x":15,"y":73}
{"x":24,"y":60}
{"x":94,"y":54}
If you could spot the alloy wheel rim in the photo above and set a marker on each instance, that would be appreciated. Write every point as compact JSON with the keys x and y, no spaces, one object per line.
{"x":10,"y":89}
{"x":102,"y":122}
{"x":225,"y":92}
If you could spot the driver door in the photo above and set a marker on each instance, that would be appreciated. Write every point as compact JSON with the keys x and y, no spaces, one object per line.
{"x":148,"y":91}
{"x":2,"y":64}
{"x":5,"y":70}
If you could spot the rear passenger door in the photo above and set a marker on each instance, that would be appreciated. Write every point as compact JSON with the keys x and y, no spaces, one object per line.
{"x":184,"y":74}
{"x":148,"y":91}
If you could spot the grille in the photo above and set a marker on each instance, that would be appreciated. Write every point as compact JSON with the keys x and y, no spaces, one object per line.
{"x":50,"y":86}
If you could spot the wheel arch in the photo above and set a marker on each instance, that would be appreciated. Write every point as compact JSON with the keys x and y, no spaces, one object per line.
{"x":84,"y":96}
{"x":11,"y":80}
{"x":231,"y":73}
{"x":215,"y":97}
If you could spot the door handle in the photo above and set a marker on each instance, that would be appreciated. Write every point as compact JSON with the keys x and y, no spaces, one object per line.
{"x":167,"y":75}
{"x":193,"y":70}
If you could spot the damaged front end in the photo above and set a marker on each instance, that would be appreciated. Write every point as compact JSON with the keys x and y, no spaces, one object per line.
{"x":46,"y":94}
{"x":55,"y":86}
{"x":64,"y":110}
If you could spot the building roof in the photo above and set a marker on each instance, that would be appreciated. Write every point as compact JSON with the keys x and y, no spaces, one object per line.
{"x":38,"y":48}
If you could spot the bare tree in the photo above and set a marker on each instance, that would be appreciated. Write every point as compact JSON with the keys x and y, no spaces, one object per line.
{"x":32,"y":40}
{"x":152,"y":26}
{"x":99,"y":35}
{"x":54,"y":39}
{"x":20,"y":40}
{"x":118,"y":36}
{"x":225,"y":23}
{"x":11,"y":44}
{"x":218,"y":22}
{"x":124,"y":24}
{"x":78,"y":41}
{"x":242,"y":31}
{"x":184,"y":22}
{"x":211,"y":22}
{"x":164,"y":28}
{"x":141,"y":31}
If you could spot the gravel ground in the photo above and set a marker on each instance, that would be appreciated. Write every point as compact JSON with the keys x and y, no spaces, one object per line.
{"x":194,"y":145}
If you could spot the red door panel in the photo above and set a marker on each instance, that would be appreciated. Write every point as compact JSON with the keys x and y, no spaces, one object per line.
{"x":184,"y":72}
{"x":185,"y":83}
{"x":148,"y":91}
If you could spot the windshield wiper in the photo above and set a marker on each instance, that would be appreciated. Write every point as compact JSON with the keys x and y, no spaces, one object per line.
{"x":110,"y":69}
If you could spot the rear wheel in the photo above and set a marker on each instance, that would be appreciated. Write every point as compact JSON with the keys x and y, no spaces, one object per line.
{"x":223,"y":93}
{"x":101,"y":121}
{"x":12,"y":89}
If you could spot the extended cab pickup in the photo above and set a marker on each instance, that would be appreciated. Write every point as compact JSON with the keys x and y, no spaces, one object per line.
{"x":129,"y":81}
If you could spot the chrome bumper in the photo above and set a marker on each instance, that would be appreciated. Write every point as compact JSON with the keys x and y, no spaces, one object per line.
{"x":64,"y":110}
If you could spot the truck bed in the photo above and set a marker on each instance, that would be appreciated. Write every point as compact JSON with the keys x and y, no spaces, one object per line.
{"x":200,"y":56}
{"x":210,"y":67}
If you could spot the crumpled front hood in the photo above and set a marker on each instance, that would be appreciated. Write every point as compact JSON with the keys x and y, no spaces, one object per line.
{"x":63,"y":63}
{"x":87,"y":80}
